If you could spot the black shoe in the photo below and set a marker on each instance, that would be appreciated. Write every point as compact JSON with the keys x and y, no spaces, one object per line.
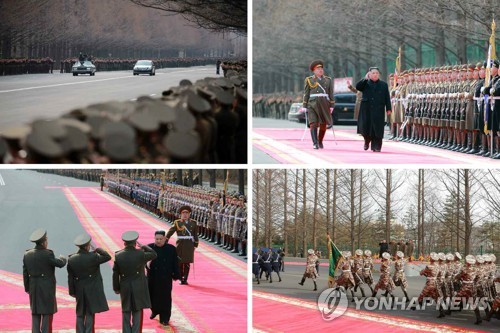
{"x":376,"y":150}
{"x":365,"y":147}
{"x":315,"y":146}
{"x":320,"y":145}
{"x":164,"y":323}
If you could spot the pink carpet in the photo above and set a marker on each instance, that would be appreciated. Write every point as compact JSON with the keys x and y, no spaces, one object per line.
{"x":285,"y":146}
{"x":274,"y":313}
{"x":216,"y":297}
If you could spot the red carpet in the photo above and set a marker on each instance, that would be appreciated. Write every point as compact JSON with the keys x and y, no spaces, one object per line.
{"x":217,"y":278}
{"x":274,"y":313}
{"x":285,"y":146}
{"x":215,"y":300}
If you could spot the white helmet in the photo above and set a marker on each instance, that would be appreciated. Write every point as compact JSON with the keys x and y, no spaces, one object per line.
{"x":442,"y":256}
{"x":368,"y":253}
{"x":359,"y":252}
{"x":310,"y":251}
{"x":386,"y":255}
{"x":400,"y":254}
{"x":450,"y":257}
{"x":434,"y":256}
{"x":458,"y":255}
{"x":470,"y":259}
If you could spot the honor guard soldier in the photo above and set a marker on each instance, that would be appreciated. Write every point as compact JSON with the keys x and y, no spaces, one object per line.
{"x":85,"y":283}
{"x":275,"y":265}
{"x":187,"y":241}
{"x":431,"y":290}
{"x":267,"y":265}
{"x":468,"y":289}
{"x":319,"y":101}
{"x":256,"y":265}
{"x":399,"y":277}
{"x":310,"y":269}
{"x":129,"y":280}
{"x":357,"y":271}
{"x":385,"y":282}
{"x":39,"y":266}
{"x":346,"y":280}
{"x":367,"y":269}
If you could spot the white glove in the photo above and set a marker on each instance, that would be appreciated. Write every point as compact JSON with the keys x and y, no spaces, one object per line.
{"x":482,"y":90}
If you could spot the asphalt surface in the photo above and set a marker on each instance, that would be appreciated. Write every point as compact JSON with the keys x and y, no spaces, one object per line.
{"x":31,"y":200}
{"x":293,"y":273}
{"x":24,"y":98}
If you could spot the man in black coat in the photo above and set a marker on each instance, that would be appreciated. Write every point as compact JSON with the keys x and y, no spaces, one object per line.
{"x":161,"y":272}
{"x":384,"y":247}
{"x":85,"y":283}
{"x":376,"y":102}
{"x":130,"y":281}
{"x":40,"y":281}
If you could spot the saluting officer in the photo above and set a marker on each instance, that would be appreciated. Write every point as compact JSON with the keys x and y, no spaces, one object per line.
{"x":130,"y":281}
{"x":40,"y":281}
{"x":85,"y":283}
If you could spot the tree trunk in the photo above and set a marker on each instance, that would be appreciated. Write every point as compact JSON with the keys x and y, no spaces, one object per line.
{"x":304,"y":230}
{"x":296,"y":224}
{"x":419,"y":214}
{"x":467,"y":219}
{"x":314,"y":224}
{"x":352,"y":204}
{"x":458,"y":211}
{"x":256,"y":208}
{"x":359,"y":206}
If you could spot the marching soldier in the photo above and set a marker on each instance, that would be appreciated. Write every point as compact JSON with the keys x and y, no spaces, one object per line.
{"x":346,"y":279}
{"x":256,"y":264}
{"x":496,"y":303}
{"x":440,"y":279}
{"x":367,"y":269}
{"x":275,"y":265}
{"x":385,"y":282}
{"x":357,"y":271}
{"x":431,"y":289}
{"x":187,"y":241}
{"x":468,"y":289}
{"x":449,"y":277}
{"x":39,"y":279}
{"x":266,"y":266}
{"x":457,"y":268}
{"x":319,"y":101}
{"x":85,"y":283}
{"x":399,"y":276}
{"x":130,"y":282}
{"x":310,"y":269}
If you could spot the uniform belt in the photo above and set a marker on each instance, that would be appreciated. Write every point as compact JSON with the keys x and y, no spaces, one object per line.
{"x":83,"y":277}
{"x":319,"y":95}
{"x":37,"y":276}
{"x":184,"y":237}
{"x":266,"y":262}
{"x":123,"y":275}
{"x":255,"y":262}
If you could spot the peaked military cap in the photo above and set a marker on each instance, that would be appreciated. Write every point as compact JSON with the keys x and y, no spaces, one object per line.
{"x":82,"y":240}
{"x":314,"y":64}
{"x":130,"y":236}
{"x":185,"y":207}
{"x":38,"y":235}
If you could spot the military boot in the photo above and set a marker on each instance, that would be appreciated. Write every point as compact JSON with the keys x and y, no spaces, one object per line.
{"x":302,"y":281}
{"x":235,"y":250}
{"x":315,"y":286}
{"x":314,"y":136}
{"x":478,"y":317}
{"x":321,"y":135}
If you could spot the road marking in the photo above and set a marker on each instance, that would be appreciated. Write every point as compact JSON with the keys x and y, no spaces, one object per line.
{"x":90,"y":81}
{"x":2,"y":182}
{"x":133,"y":99}
{"x":152,"y":95}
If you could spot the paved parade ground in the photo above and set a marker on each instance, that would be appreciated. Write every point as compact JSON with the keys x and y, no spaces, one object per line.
{"x":33,"y":96}
{"x":67,"y":207}
{"x":275,"y":303}
{"x":280,"y":142}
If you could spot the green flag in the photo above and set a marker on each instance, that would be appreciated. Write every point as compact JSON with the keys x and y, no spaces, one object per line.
{"x":334,"y":255}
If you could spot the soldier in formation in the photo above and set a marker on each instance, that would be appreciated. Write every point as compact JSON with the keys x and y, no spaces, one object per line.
{"x":444,"y":107}
{"x":385,"y":281}
{"x":39,"y":278}
{"x":85,"y":282}
{"x":357,"y":271}
{"x":200,"y":122}
{"x":310,"y":271}
{"x":399,"y":276}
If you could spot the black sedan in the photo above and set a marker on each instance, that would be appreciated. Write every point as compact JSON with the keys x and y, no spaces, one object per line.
{"x":83,"y":67}
{"x":144,"y":67}
{"x":344,"y":107}
{"x":297,"y":113}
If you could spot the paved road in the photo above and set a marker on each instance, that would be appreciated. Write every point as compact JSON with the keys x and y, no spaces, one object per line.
{"x":24,"y":98}
{"x":293,"y":273}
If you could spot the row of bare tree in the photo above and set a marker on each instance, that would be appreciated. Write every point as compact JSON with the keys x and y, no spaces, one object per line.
{"x":61,"y":29}
{"x":441,"y":210}
{"x":352,"y":35}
